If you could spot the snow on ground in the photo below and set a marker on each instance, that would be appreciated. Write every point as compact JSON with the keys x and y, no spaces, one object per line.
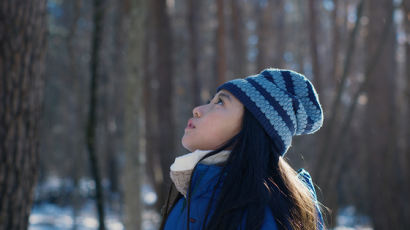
{"x":349,"y":219}
{"x":49,"y":216}
{"x":53,"y":209}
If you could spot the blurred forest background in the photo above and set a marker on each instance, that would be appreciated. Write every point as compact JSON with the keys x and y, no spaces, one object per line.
{"x":95,"y":95}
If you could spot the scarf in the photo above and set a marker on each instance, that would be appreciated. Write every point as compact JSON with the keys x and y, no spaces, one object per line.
{"x":181,"y":169}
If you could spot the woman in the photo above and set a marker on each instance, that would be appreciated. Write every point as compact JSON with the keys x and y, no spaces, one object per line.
{"x":235,"y":176}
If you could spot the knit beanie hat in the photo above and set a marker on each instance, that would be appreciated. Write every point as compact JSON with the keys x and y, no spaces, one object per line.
{"x":283,"y":101}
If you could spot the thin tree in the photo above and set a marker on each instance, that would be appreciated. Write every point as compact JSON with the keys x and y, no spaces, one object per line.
{"x":22,"y":56}
{"x":335,"y":41}
{"x":98,"y":15}
{"x":406,"y":168}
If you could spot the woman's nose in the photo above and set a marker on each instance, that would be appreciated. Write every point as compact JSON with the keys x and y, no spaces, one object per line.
{"x":196,"y":112}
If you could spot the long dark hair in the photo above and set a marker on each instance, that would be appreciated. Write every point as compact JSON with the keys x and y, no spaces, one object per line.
{"x":266,"y":179}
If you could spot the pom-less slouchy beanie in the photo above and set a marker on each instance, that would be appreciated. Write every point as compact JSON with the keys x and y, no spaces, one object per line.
{"x":283,"y":101}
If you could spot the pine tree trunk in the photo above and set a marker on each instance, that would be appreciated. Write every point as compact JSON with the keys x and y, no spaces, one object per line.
{"x":380,"y":120}
{"x":22,"y":55}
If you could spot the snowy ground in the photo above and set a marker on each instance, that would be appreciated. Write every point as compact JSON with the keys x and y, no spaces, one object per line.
{"x":47,"y":214}
{"x":52,"y":217}
{"x":349,"y":219}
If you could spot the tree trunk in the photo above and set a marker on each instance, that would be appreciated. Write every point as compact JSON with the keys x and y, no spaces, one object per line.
{"x":220,"y":53}
{"x":265,"y":41}
{"x":406,"y":164}
{"x":78,"y":110}
{"x":334,"y":72}
{"x":133,"y":172}
{"x":301,"y":39}
{"x":22,"y":55}
{"x":380,"y":121}
{"x":162,"y":81}
{"x":238,"y":39}
{"x":326,"y":155}
{"x":280,"y":32}
{"x":98,"y":15}
{"x":192,"y":18}
{"x":313,"y":32}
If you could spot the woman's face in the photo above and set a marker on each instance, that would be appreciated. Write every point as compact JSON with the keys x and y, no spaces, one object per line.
{"x":215,"y":123}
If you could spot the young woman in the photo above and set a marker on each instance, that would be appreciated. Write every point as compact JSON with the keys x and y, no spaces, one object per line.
{"x":235,"y":176}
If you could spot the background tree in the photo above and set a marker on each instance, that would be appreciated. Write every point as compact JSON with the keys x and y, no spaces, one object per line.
{"x":220,"y":52}
{"x":22,"y":56}
{"x":381,"y":107}
{"x":133,"y":172}
{"x":159,"y":115}
{"x":406,"y":154}
{"x":98,"y":16}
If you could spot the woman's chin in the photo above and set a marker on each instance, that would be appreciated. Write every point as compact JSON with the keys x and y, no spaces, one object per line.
{"x":185,"y":143}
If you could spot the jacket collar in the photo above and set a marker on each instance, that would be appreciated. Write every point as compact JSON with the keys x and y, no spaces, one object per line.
{"x":205,"y":179}
{"x":181,"y":169}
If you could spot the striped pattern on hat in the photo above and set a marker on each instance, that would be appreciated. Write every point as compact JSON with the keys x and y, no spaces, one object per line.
{"x":283,"y":101}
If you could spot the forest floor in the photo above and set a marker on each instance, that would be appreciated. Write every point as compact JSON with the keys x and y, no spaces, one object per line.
{"x":54,"y":209}
{"x":49,"y":216}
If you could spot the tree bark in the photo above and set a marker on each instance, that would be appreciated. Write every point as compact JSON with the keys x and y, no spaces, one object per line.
{"x":22,"y":55}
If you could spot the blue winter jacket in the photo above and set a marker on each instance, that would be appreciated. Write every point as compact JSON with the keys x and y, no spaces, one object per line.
{"x":203,"y":181}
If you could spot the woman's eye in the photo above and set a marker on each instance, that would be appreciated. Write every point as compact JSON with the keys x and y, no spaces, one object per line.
{"x":219,"y":100}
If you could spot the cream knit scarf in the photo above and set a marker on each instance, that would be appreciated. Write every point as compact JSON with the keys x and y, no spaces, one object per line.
{"x":181,"y":169}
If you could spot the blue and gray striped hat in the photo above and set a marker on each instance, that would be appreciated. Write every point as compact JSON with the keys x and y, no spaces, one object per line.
{"x":283,"y":101}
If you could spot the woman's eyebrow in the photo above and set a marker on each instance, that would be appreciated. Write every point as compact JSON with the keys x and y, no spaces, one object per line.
{"x":225,"y":95}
